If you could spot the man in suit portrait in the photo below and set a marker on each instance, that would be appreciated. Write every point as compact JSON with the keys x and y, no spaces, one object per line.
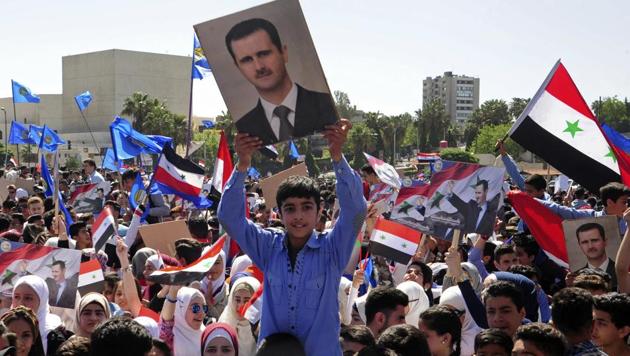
{"x":285,"y":109}
{"x":62,"y":291}
{"x":479,"y":213}
{"x":592,"y":240}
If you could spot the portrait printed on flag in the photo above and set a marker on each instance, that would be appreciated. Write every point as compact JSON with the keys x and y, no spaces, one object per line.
{"x":268,"y":72}
{"x":89,"y":198}
{"x":461,"y":196}
{"x":58,"y":267}
{"x":592,"y":243}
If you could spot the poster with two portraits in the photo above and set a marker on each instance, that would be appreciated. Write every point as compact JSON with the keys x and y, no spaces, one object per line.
{"x":268,"y":72}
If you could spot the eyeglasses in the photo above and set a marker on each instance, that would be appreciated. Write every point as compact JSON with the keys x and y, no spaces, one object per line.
{"x":196,"y":308}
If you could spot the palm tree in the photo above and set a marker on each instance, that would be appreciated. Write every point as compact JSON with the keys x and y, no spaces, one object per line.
{"x":139,"y":106}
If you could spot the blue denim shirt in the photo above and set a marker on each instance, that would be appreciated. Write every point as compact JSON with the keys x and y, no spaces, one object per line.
{"x":301,"y":301}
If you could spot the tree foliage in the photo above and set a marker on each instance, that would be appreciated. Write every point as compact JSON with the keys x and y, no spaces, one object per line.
{"x":614,"y":112}
{"x":517,"y":106}
{"x":491,"y":112}
{"x":489,"y":135}
{"x":344,"y":107}
{"x":459,"y":155}
{"x":432,"y":124}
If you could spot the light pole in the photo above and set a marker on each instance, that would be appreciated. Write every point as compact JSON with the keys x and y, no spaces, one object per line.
{"x":5,"y":135}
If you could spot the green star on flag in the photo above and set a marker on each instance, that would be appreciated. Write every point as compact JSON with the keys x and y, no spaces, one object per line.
{"x":611,"y":154}
{"x":572,"y":128}
{"x":436,"y":200}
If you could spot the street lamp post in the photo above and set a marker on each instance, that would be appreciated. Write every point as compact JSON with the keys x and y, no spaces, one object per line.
{"x":5,"y":135}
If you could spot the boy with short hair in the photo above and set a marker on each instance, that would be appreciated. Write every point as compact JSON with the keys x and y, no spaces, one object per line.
{"x":611,"y":326}
{"x":302,"y":268}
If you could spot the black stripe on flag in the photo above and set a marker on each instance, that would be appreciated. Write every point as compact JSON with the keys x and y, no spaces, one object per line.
{"x":582,"y":168}
{"x":181,"y":163}
{"x":99,"y":241}
{"x":180,"y":278}
{"x":379,"y":249}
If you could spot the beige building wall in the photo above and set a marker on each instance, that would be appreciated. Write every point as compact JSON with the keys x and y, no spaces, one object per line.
{"x":48,"y":112}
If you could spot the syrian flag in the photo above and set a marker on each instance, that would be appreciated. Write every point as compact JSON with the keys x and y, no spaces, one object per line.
{"x":192,"y":272}
{"x":202,"y":163}
{"x":558,"y":126}
{"x":103,"y":229}
{"x":222,"y":166}
{"x":394,"y":241}
{"x":91,"y":277}
{"x":81,"y":192}
{"x":385,"y":172}
{"x":13,"y":162}
{"x":180,"y":176}
{"x":545,"y":226}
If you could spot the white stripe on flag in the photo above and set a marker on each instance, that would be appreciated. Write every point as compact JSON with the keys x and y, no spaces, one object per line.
{"x":395,"y":242}
{"x":192,"y":179}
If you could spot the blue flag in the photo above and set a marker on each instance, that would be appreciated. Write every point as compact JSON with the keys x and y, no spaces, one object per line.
{"x":369,"y":268}
{"x":293,"y":152}
{"x":35,"y":133}
{"x":200,"y":64}
{"x":252,"y":172}
{"x":22,"y":94}
{"x":50,"y":140}
{"x":50,"y":186}
{"x":19,"y":135}
{"x":109,"y":161}
{"x":83,"y":100}
{"x":137,"y":194}
{"x":129,"y":143}
{"x":207,"y":124}
{"x":161,"y":140}
{"x":616,"y":138}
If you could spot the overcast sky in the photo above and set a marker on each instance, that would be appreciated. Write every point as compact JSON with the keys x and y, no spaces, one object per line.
{"x":376,"y":51}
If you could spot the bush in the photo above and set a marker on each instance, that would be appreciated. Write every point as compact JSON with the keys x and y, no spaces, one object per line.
{"x":459,"y":155}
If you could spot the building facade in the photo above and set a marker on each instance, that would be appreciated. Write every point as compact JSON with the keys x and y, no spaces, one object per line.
{"x":458,"y":93}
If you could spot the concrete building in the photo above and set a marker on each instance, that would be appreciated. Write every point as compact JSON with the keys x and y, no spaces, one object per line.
{"x":111,"y":76}
{"x":459,"y":93}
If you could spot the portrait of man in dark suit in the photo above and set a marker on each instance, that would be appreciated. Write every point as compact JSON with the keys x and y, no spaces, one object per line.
{"x":479,"y":213}
{"x":591,"y":238}
{"x":61,"y":290}
{"x":285,"y":109}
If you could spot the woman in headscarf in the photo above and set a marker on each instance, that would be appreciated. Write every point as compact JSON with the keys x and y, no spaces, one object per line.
{"x":214,"y":287}
{"x":23,"y":323}
{"x":32,"y":292}
{"x":418,"y":301}
{"x":139,"y":260}
{"x":150,"y":293}
{"x":219,"y":339}
{"x":471,"y":274}
{"x":181,"y":321}
{"x":345,"y":286}
{"x":240,"y":264}
{"x":453,"y":297}
{"x":149,"y":324}
{"x":241,"y":292}
{"x":93,"y":310}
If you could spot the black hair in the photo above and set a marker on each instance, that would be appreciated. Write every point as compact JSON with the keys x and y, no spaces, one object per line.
{"x":298,"y":187}
{"x":572,"y":311}
{"x":111,"y":279}
{"x":367,"y":169}
{"x":246,"y":28}
{"x":90,"y":162}
{"x":113,"y":204}
{"x":545,"y":337}
{"x":120,"y":336}
{"x":592,"y":282}
{"x":359,"y":334}
{"x":384,"y":300}
{"x":129,"y":174}
{"x":527,"y":243}
{"x":494,"y":337}
{"x":617,"y":305}
{"x":588,"y":227}
{"x":376,"y":350}
{"x":280,"y":344}
{"x":483,"y":183}
{"x":198,"y":228}
{"x":613,"y":191}
{"x":76,"y":346}
{"x":501,"y":250}
{"x":537,"y":181}
{"x":580,"y":193}
{"x":162,"y":346}
{"x":48,"y":219}
{"x":444,"y":320}
{"x":405,"y":340}
{"x":76,"y":227}
{"x":59,"y":263}
{"x":427,"y":273}
{"x":505,"y":289}
{"x":524,"y":270}
{"x":8,"y":204}
{"x":5,"y":222}
{"x":188,"y":249}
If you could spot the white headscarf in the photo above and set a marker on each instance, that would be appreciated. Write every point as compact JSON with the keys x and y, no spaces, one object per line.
{"x":341,"y":294}
{"x":156,"y":261}
{"x":453,"y":297}
{"x":360,"y":303}
{"x":186,"y":340}
{"x":47,"y":321}
{"x":246,"y":341}
{"x":88,"y":299}
{"x":418,"y":301}
{"x":240,"y":264}
{"x":219,"y":283}
{"x":149,"y":324}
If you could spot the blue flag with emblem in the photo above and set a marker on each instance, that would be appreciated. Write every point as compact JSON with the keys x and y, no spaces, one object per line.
{"x":207,"y":124}
{"x":35,"y":133}
{"x":137,"y":194}
{"x":253,"y":172}
{"x":22,"y":94}
{"x":129,"y":143}
{"x":109,"y":161}
{"x":19,"y":135}
{"x":293,"y":152}
{"x":50,"y":186}
{"x":50,"y":140}
{"x":200,"y":64}
{"x":161,"y":140}
{"x":83,"y":100}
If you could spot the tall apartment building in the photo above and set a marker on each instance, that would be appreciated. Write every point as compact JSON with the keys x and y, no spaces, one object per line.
{"x":459,"y":93}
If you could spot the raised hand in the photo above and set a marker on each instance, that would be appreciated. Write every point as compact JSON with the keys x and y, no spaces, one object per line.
{"x":337,"y":134}
{"x":245,"y":146}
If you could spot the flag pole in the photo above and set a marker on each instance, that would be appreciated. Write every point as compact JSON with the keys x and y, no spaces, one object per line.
{"x":90,"y":130}
{"x":17,"y":148}
{"x":56,"y":190}
{"x":190,"y":102}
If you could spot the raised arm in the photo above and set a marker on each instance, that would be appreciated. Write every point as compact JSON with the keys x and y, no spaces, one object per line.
{"x":510,"y":167}
{"x":622,"y":262}
{"x":134,"y":226}
{"x":476,"y":255}
{"x":566,"y":212}
{"x":129,"y":283}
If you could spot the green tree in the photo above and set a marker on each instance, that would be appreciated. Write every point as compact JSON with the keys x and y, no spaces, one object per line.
{"x":433,"y":124}
{"x":139,"y":106}
{"x":73,"y":163}
{"x":491,"y":112}
{"x":344,"y":107}
{"x":456,"y":154}
{"x":614,"y":112}
{"x":489,"y":135}
{"x":517,"y":106}
{"x":360,"y":139}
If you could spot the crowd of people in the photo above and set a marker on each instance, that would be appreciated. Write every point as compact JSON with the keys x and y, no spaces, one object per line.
{"x":316,"y":291}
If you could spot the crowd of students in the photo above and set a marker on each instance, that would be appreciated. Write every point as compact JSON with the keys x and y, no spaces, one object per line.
{"x":488,"y":295}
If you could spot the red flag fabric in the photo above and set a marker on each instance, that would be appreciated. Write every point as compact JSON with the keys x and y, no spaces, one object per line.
{"x":545,"y":226}
{"x":223,"y":165}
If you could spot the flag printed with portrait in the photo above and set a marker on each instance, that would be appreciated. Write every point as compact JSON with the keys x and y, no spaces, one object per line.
{"x":385,"y":172}
{"x":89,"y":198}
{"x":19,"y":259}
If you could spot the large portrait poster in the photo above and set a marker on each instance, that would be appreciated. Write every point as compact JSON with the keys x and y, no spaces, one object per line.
{"x":460,"y":196}
{"x":59,"y":267}
{"x":592,"y":242}
{"x":268,"y":72}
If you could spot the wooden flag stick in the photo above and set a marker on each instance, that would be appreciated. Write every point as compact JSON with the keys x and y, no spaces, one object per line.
{"x":456,"y":238}
{"x":56,"y":177}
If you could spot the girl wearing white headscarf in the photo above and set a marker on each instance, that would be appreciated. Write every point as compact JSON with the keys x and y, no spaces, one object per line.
{"x":454,"y":298}
{"x":418,"y":301}
{"x":214,"y":287}
{"x":243,"y":289}
{"x":345,"y":287}
{"x":24,"y":291}
{"x":150,"y":325}
{"x":181,"y":321}
{"x":240,"y":264}
{"x":84,"y":325}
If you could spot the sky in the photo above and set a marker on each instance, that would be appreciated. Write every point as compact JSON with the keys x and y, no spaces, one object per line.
{"x":378,"y":52}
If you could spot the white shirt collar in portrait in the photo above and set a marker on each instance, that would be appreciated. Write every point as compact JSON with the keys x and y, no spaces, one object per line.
{"x":290,"y":101}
